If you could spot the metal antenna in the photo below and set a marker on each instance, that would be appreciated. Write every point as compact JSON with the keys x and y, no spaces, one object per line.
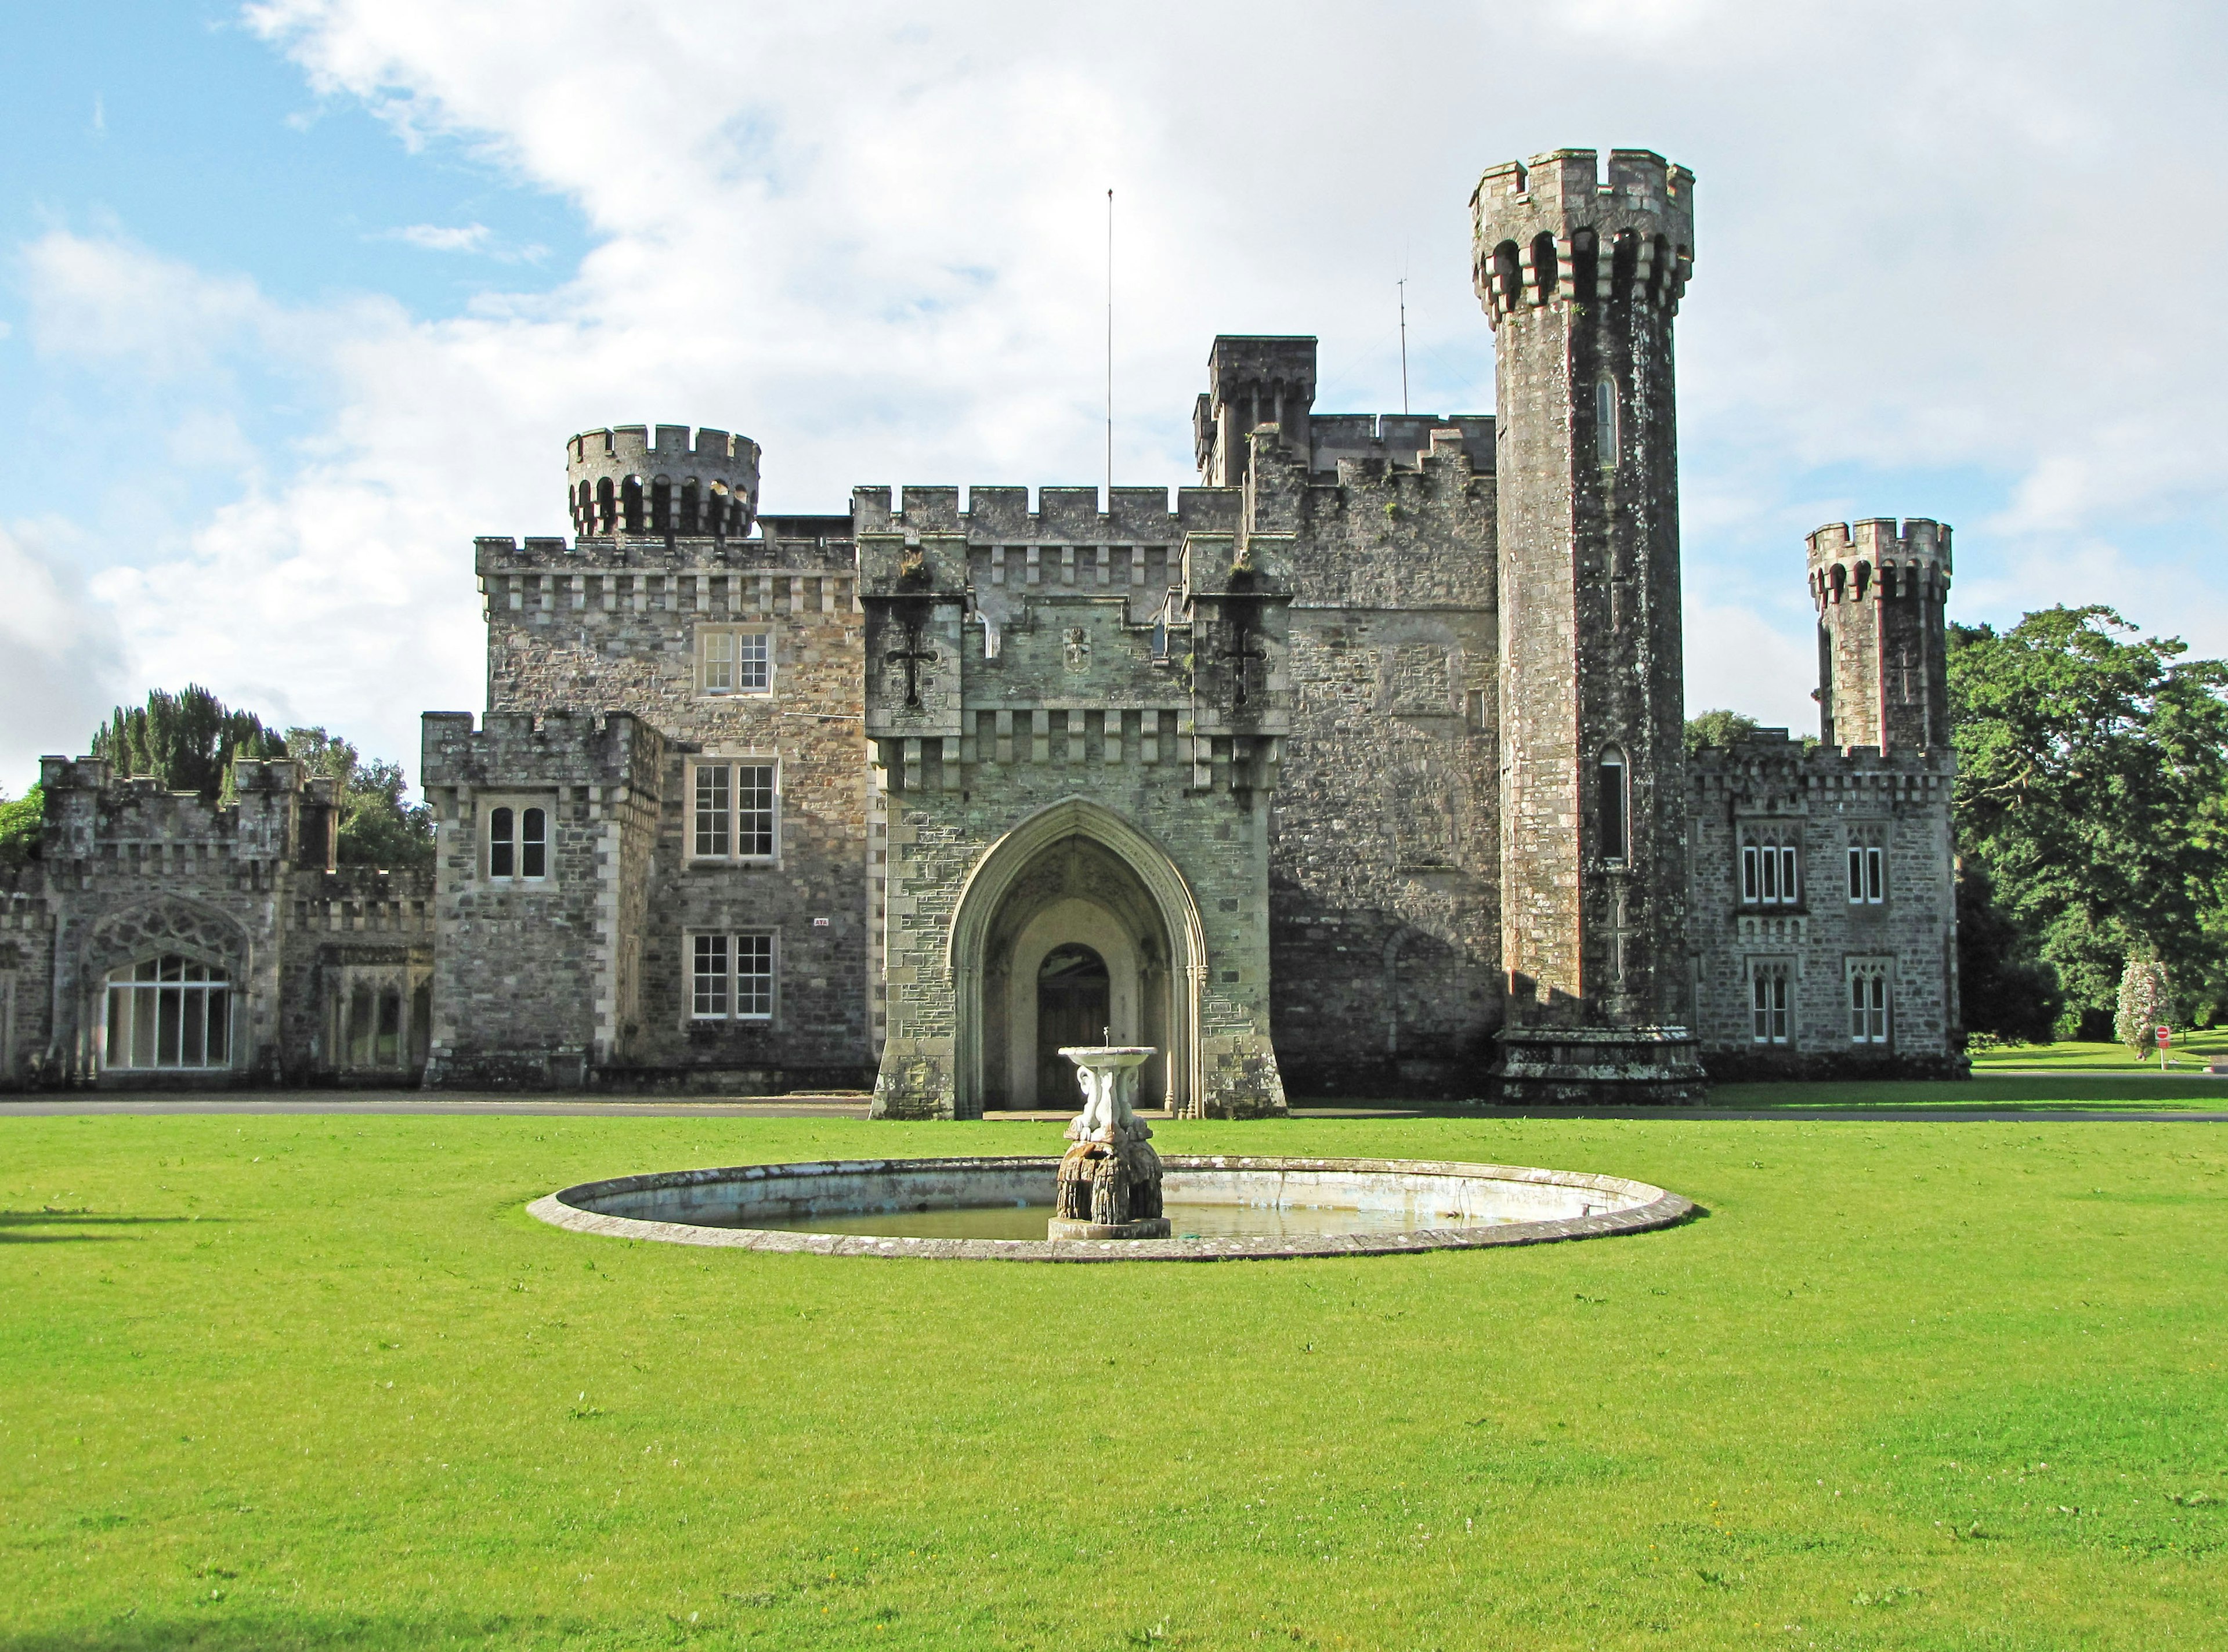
{"x":1403,"y":285}
{"x":1110,"y":353}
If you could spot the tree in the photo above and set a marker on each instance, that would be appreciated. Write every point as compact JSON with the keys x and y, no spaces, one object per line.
{"x":2092,"y":785}
{"x":19,"y":826}
{"x":2145,"y":1003}
{"x":2003,"y":989}
{"x":186,"y":741}
{"x":1718,"y":729}
{"x":377,"y":828}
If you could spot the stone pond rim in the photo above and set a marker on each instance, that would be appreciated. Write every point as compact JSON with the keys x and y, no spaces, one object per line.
{"x":1627,"y":1206}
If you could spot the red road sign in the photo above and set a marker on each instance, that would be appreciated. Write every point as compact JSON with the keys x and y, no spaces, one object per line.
{"x":2165,"y":1036}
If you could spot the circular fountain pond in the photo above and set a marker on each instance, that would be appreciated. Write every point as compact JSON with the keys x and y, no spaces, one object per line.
{"x":1218,"y":1206}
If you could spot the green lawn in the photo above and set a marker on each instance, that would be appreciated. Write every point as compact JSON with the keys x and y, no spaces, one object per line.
{"x":2192,"y":1048}
{"x":286,"y":1381}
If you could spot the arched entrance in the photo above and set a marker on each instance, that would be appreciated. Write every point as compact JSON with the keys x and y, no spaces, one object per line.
{"x":1074,"y":927}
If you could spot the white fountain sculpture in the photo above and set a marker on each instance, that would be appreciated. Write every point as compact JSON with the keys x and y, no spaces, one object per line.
{"x":1110,"y":1180}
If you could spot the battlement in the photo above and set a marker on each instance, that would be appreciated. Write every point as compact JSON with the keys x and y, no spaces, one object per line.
{"x":1881,"y":538}
{"x":1549,"y":230}
{"x":1063,"y":516}
{"x":625,"y":480}
{"x":554,"y":749}
{"x":1396,"y":441}
{"x":1878,"y":558}
{"x":623,"y":556}
{"x":1772,"y":754}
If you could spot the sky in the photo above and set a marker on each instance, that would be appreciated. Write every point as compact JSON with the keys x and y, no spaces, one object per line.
{"x":297,"y":296}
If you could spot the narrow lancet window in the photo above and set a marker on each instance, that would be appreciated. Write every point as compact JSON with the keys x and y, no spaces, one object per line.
{"x":1605,"y":437}
{"x":533,"y":843}
{"x":1614,"y":805}
{"x":502,"y":843}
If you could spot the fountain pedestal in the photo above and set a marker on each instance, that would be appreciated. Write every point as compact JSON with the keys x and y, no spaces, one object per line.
{"x":1110,"y":1180}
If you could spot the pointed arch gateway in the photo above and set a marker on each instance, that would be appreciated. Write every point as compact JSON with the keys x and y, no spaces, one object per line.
{"x":975,"y":929}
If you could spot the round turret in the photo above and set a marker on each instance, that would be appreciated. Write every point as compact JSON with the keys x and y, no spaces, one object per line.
{"x":618,"y":481}
{"x":1880,"y":588}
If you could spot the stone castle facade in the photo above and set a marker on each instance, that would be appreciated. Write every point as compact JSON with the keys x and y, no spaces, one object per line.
{"x":1357,"y":768}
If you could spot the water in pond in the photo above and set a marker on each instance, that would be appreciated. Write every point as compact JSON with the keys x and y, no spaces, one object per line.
{"x":1027,"y":1222}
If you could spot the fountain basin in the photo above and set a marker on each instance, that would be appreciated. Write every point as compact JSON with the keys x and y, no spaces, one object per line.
{"x":1396,"y":1205}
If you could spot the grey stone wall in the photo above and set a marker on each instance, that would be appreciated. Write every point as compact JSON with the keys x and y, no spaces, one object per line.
{"x":620,"y":623}
{"x":1769,"y":788}
{"x":1384,"y":846}
{"x":523,"y":972}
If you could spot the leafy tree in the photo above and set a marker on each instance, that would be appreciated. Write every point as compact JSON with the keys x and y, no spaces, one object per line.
{"x":2092,"y":784}
{"x":1718,"y":729}
{"x":186,"y":741}
{"x":2003,"y":989}
{"x":19,"y":826}
{"x":377,"y":828}
{"x":2145,"y":1003}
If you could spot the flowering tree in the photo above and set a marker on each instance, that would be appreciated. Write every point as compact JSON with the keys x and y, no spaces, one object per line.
{"x":2145,"y":1002}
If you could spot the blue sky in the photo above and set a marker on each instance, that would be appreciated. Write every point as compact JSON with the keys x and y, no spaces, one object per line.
{"x":299,"y":296}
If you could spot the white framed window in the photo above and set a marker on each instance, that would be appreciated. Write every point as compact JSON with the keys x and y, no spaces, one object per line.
{"x":734,"y":811}
{"x":1615,"y":804}
{"x":515,"y":846}
{"x":1867,"y":874}
{"x":1868,"y":1001}
{"x":169,"y":1012}
{"x":1605,"y":446}
{"x":1769,"y":874}
{"x":1768,"y":995}
{"x":732,"y":975}
{"x":730,"y":661}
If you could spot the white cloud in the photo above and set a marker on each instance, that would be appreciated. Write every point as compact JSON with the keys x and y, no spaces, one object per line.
{"x":442,"y":237}
{"x":60,"y":656}
{"x":869,"y":235}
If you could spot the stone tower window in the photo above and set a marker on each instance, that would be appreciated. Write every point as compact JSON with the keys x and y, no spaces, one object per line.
{"x":732,"y":976}
{"x":1605,"y":432}
{"x":1615,"y":805}
{"x":736,"y":805}
{"x":518,"y":844}
{"x":1769,"y":873}
{"x":1768,"y":992}
{"x":1868,"y":1001}
{"x":1867,"y":874}
{"x":734,"y":662}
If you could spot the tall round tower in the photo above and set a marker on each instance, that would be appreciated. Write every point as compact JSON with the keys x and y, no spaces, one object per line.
{"x":619,"y":480}
{"x":1580,"y":279}
{"x":1881,"y":594}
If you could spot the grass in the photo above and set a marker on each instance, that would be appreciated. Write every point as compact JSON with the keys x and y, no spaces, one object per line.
{"x":288,"y":1382}
{"x":2192,"y":1048}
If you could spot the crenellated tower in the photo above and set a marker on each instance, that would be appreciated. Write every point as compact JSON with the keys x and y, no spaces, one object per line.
{"x":1581,"y":278}
{"x":1255,"y":382}
{"x":620,"y":480}
{"x":1881,"y":592}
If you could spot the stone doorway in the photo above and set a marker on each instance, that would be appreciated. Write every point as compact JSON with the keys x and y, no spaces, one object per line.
{"x":1078,"y":953}
{"x":1073,"y":1007}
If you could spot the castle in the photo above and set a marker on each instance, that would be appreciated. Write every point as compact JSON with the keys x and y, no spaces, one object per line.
{"x":1361,"y":769}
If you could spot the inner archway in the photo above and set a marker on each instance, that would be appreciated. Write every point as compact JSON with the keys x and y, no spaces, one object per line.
{"x":1073,"y":1008}
{"x":1072,"y":892}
